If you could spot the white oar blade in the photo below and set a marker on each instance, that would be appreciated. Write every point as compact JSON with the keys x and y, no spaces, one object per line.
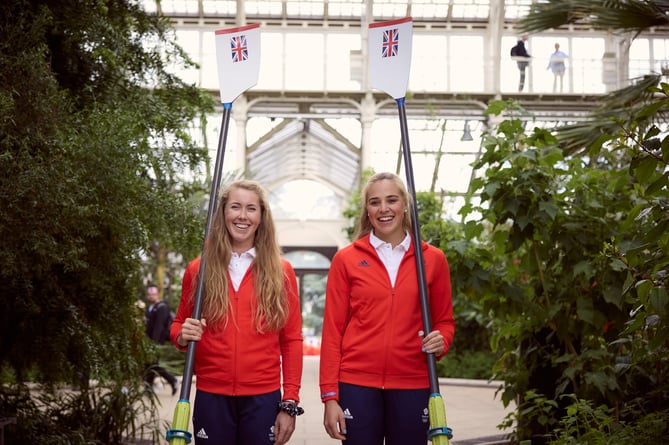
{"x":238,"y":57}
{"x":390,"y":56}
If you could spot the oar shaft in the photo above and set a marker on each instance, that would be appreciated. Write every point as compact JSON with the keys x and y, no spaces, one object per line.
{"x":420,"y":263}
{"x":213,"y":200}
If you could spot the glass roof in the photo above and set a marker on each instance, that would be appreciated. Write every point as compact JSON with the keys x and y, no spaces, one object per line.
{"x":314,"y":154}
{"x":326,"y":10}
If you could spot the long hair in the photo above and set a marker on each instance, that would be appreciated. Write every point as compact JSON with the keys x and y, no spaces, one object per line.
{"x":271,"y":310}
{"x":364,"y":224}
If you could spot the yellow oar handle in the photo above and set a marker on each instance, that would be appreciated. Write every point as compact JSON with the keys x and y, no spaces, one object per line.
{"x":179,"y":434}
{"x":438,"y":433}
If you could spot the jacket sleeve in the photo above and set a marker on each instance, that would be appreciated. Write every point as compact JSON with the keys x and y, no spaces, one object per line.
{"x":290,"y":339}
{"x":441,"y":300}
{"x":334,"y":324}
{"x":185,"y":309}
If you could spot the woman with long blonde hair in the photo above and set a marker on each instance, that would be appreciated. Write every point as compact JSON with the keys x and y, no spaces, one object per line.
{"x":249,"y":337}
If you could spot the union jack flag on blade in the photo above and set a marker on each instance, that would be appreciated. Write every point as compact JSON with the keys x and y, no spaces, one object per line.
{"x":390,"y":43}
{"x":239,"y":50}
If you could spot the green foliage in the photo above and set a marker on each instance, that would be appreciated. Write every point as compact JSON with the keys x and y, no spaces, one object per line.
{"x":588,"y":425}
{"x":575,"y":257}
{"x":466,"y":364}
{"x":95,"y":139}
{"x":617,"y":15}
{"x":170,"y":358}
{"x":107,"y":414}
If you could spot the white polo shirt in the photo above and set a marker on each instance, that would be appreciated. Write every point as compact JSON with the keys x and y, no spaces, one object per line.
{"x":239,"y":264}
{"x":390,"y":257}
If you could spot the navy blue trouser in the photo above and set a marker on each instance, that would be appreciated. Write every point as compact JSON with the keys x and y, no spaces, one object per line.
{"x":235,"y":420}
{"x":398,"y":415}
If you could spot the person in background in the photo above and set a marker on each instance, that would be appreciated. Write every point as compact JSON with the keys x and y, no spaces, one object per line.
{"x":156,"y":317}
{"x":557,"y":66}
{"x":373,"y":369}
{"x":249,"y":338}
{"x":522,"y":59}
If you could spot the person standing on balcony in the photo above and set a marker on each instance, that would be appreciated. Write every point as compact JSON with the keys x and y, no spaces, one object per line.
{"x":522,"y":57}
{"x":557,"y":66}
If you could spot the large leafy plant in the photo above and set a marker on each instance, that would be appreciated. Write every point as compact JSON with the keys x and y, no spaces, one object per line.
{"x":576,"y":269}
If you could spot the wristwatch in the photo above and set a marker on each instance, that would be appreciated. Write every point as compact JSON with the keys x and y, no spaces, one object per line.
{"x":290,"y":407}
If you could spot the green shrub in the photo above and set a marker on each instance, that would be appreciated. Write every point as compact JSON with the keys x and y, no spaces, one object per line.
{"x":102,"y":414}
{"x":585,"y":424}
{"x":466,"y":365}
{"x":171,"y":358}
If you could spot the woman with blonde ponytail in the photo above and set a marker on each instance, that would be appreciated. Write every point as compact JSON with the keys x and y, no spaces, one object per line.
{"x":373,"y":370}
{"x":248,"y":360}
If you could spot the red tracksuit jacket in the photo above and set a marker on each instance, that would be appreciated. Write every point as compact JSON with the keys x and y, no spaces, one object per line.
{"x":237,"y":360}
{"x":370,"y":329}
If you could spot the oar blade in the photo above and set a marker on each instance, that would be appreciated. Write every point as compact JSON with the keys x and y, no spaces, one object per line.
{"x":390,"y":56}
{"x":238,"y":59}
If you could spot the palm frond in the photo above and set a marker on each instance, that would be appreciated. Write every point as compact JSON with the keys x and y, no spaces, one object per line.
{"x":617,"y":111}
{"x":616,"y":15}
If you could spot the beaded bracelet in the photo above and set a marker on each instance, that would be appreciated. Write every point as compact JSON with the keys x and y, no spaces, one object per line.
{"x":291,"y":409}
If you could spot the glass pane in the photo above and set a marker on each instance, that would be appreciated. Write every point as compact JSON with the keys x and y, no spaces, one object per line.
{"x":639,"y":57}
{"x":271,"y":64}
{"x":338,"y":60}
{"x":304,"y":61}
{"x":307,"y":259}
{"x":588,"y":67}
{"x":466,"y":63}
{"x":428,"y":63}
{"x":316,"y":201}
{"x":271,"y":8}
{"x":471,"y":9}
{"x":312,"y":294}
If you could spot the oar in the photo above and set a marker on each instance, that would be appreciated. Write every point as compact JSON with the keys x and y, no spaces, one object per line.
{"x":389,"y":63}
{"x":238,"y":56}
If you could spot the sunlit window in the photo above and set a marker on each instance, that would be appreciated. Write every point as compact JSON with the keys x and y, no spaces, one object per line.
{"x":265,"y":8}
{"x":451,"y":54}
{"x":386,"y":9}
{"x":345,"y":8}
{"x":639,"y":57}
{"x":471,"y":9}
{"x":304,"y":61}
{"x":218,"y":7}
{"x":185,"y":7}
{"x":305,"y":8}
{"x":429,"y":9}
{"x":660,"y":61}
{"x":306,"y":259}
{"x":587,"y":53}
{"x":316,"y":201}
{"x":466,"y":63}
{"x":515,"y":9}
